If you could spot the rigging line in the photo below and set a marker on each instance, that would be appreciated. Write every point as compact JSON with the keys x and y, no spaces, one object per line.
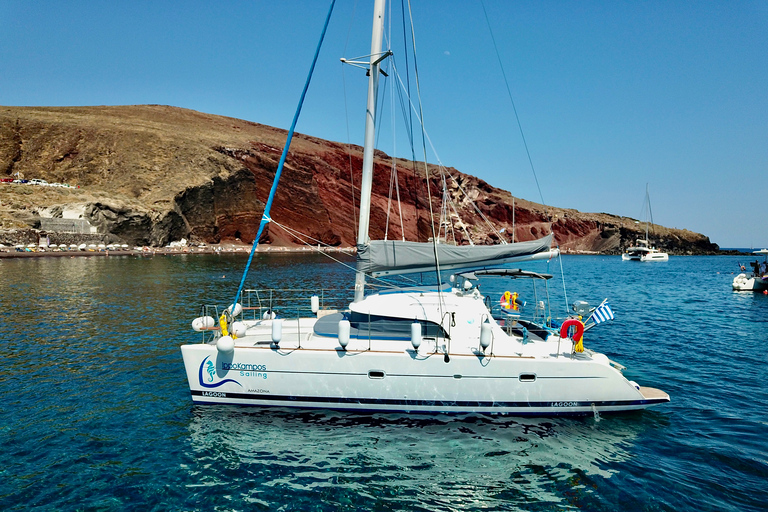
{"x":265,"y":216}
{"x":389,"y":205}
{"x":392,"y":120}
{"x":443,"y":168}
{"x":393,"y":172}
{"x":394,"y":176}
{"x":461,"y":223}
{"x":407,"y":115}
{"x":380,"y":119}
{"x":423,"y":140}
{"x":562,"y":278}
{"x":346,"y":118}
{"x":443,"y":218}
{"x":426,"y":176}
{"x":477,"y":210}
{"x":399,"y":204}
{"x":451,"y":206}
{"x":650,"y":211}
{"x":304,"y":237}
{"x":393,"y":166}
{"x":444,"y":213}
{"x":407,"y":79}
{"x":393,"y":183}
{"x":349,"y":150}
{"x":517,"y":118}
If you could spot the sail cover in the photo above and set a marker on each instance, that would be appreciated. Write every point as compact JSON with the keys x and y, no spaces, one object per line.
{"x":392,"y":257}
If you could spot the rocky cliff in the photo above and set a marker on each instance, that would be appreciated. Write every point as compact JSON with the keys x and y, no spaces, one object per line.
{"x":151,"y":174}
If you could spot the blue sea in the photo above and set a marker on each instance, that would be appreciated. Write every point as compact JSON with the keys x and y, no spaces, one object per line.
{"x":96,"y":414}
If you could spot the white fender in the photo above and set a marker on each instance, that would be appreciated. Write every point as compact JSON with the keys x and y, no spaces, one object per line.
{"x":238,"y":329}
{"x":344,"y":333}
{"x":203,"y":322}
{"x":277,"y":330}
{"x":416,"y":335}
{"x":225,"y":345}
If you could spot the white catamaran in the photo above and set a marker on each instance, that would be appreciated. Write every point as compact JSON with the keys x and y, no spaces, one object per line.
{"x":644,"y":251}
{"x":444,"y":348}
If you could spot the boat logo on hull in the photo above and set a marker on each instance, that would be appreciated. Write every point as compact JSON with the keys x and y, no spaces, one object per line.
{"x":210,"y":368}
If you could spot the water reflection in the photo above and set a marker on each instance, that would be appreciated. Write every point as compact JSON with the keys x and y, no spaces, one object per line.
{"x":405,"y":460}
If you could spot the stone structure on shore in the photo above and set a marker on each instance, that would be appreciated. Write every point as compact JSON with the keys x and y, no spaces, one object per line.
{"x":149,"y":175}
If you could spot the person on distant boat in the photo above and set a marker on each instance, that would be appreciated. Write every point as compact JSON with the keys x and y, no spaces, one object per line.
{"x":756,"y":267}
{"x":765,"y":267}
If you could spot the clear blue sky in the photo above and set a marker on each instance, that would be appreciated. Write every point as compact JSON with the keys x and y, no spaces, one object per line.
{"x":611,"y":95}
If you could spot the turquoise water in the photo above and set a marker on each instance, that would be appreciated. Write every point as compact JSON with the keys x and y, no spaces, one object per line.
{"x":96,"y":413}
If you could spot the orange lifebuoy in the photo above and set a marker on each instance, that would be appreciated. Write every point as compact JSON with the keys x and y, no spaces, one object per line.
{"x":572,"y":322}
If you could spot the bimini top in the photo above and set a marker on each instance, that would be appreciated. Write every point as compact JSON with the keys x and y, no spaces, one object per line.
{"x":514,"y":273}
{"x":392,"y":257}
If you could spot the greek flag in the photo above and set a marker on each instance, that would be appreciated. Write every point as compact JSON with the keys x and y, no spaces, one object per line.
{"x":602,"y":313}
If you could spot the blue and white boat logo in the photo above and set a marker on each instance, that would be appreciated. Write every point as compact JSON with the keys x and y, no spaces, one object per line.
{"x":210,"y":368}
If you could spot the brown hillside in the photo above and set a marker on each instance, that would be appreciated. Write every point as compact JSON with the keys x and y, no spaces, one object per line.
{"x":151,"y":174}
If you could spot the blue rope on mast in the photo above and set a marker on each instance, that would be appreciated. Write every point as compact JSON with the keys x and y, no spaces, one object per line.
{"x":265,"y":216}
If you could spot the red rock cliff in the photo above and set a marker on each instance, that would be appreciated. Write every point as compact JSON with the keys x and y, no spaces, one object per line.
{"x":152,"y":174}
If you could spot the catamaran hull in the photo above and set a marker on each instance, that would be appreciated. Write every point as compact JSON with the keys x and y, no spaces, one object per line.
{"x":655,"y":257}
{"x":645,"y":257}
{"x":400,"y":382}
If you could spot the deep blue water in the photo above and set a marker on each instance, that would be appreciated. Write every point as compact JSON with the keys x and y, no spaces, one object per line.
{"x":96,"y":414}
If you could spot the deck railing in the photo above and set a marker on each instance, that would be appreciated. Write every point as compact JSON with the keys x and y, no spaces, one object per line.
{"x":287,"y":303}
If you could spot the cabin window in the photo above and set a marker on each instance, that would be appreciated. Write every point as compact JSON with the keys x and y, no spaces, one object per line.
{"x":377,"y":326}
{"x":376,"y":374}
{"x":527,"y":377}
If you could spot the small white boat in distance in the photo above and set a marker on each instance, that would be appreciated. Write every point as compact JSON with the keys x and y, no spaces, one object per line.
{"x":644,"y":252}
{"x":758,"y":280}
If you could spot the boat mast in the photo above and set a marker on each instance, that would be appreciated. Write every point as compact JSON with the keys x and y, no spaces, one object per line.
{"x":647,"y":214}
{"x":370,"y":139}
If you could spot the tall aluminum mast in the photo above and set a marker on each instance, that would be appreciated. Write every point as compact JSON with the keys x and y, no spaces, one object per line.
{"x":370,"y":138}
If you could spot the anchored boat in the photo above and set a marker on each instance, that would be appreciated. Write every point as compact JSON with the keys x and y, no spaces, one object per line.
{"x":644,"y":251}
{"x":444,"y":348}
{"x":757,"y":280}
